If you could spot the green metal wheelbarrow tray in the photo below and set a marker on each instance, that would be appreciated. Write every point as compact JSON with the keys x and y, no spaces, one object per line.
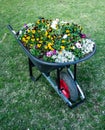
{"x":66,"y":83}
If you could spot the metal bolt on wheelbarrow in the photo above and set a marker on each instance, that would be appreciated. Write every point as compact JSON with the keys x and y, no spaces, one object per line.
{"x":66,"y":84}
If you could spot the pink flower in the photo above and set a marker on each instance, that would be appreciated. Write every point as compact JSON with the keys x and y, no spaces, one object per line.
{"x":49,"y":53}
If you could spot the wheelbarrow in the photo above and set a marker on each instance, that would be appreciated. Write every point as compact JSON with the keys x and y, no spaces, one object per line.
{"x":66,"y":84}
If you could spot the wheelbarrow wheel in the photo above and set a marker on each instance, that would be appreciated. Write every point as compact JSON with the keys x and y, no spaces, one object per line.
{"x":68,"y":86}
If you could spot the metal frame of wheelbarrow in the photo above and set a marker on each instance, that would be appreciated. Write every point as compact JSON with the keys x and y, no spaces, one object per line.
{"x":46,"y":68}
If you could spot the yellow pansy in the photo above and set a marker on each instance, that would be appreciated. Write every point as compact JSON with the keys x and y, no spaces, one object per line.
{"x":38,"y":22}
{"x":72,"y":47}
{"x":38,"y":45}
{"x":40,"y":41}
{"x":48,"y":24}
{"x":26,"y":41}
{"x":31,"y":45}
{"x":23,"y":39}
{"x":62,"y":47}
{"x":68,"y":34}
{"x":28,"y":30}
{"x":46,"y":47}
{"x":63,"y":41}
{"x":46,"y":33}
{"x":49,"y":36}
{"x":51,"y":49}
{"x":67,"y":31}
{"x":32,"y":36}
{"x":28,"y":38}
{"x":52,"y":38}
{"x":33,"y":31}
{"x":50,"y":44}
{"x":32,"y":39}
{"x":37,"y":39}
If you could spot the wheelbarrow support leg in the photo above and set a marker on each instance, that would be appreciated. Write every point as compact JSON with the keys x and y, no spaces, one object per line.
{"x":58,"y":78}
{"x":30,"y":71}
{"x":75,"y":70}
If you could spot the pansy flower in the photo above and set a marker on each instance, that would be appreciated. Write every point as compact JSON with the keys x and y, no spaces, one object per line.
{"x":55,"y":40}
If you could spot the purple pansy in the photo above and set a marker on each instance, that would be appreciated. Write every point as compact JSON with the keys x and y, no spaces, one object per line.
{"x":25,"y":26}
{"x":83,"y":35}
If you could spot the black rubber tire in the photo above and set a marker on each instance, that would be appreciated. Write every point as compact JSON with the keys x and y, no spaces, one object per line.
{"x":71,"y":85}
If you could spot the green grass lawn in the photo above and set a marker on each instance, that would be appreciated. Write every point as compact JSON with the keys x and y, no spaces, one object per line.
{"x":25,"y":105}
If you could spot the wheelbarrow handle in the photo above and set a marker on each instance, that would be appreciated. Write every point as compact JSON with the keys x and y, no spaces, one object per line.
{"x":11,"y":29}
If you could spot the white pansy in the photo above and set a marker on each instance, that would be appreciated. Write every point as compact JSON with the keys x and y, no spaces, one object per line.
{"x":29,"y":24}
{"x":87,"y":46}
{"x":60,"y":56}
{"x":63,"y":22}
{"x":53,"y":26}
{"x":71,"y":56}
{"x":78,"y":45}
{"x":65,"y":36}
{"x":64,"y":60}
{"x":64,"y":56}
{"x":54,"y":23}
{"x":54,"y":56}
{"x":57,"y":60}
